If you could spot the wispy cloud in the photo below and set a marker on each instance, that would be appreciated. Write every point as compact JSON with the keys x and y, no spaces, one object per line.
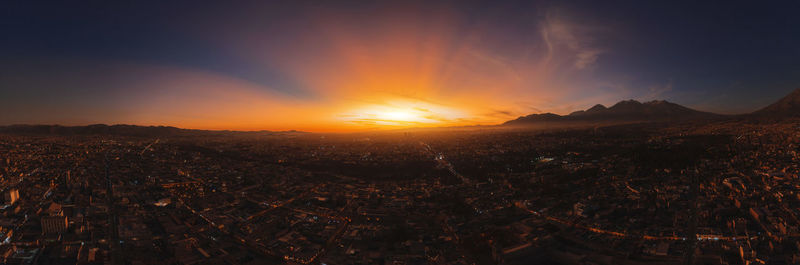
{"x":586,"y":58}
{"x":659,"y":91}
{"x":569,"y":41}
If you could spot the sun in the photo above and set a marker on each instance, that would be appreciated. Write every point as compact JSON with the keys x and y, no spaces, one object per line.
{"x":398,"y":115}
{"x":401,"y":114}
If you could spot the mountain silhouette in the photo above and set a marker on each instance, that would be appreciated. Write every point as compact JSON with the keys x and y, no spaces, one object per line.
{"x":623,"y":111}
{"x":788,"y":106}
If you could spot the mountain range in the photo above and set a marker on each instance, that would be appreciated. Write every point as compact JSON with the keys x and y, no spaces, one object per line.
{"x":657,"y":110}
{"x":786,"y":106}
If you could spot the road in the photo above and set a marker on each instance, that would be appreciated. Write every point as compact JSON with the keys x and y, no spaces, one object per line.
{"x":627,"y":235}
{"x":440,"y":158}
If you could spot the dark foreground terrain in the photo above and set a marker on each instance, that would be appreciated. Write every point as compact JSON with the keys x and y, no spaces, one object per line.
{"x":717,"y":193}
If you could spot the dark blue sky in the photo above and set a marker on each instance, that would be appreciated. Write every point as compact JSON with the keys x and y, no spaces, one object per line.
{"x":722,"y":56}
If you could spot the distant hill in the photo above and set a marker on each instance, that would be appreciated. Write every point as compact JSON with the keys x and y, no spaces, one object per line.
{"x":130,"y":130}
{"x":122,"y":130}
{"x":788,"y":106}
{"x":623,"y":111}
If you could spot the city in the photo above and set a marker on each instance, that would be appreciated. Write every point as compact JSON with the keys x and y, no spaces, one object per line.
{"x":622,"y":194}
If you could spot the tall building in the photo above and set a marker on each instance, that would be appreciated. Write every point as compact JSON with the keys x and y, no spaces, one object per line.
{"x":11,"y":196}
{"x":54,"y":224}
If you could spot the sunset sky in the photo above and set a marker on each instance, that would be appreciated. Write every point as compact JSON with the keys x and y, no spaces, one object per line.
{"x":362,"y":65}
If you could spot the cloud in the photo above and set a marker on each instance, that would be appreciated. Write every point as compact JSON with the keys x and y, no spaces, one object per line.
{"x":586,"y":58}
{"x":570,"y":42}
{"x":501,"y":114}
{"x":658,"y":91}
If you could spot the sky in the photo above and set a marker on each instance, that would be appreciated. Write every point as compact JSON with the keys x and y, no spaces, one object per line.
{"x":365,"y":65}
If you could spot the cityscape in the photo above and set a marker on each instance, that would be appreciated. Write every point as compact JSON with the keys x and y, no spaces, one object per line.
{"x":723,"y":191}
{"x":400,"y":133}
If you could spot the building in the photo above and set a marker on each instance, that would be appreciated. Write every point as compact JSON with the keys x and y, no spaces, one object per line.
{"x":11,"y":196}
{"x":54,"y":224}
